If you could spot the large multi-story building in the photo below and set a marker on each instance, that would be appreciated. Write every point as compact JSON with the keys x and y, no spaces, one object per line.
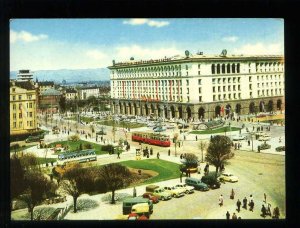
{"x":24,"y":75}
{"x":86,"y":92}
{"x":198,"y":86}
{"x":22,"y":107}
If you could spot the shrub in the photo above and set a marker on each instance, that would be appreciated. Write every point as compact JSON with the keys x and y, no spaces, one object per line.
{"x":108,"y":148}
{"x":87,"y":146}
{"x":74,"y":138}
{"x":280,"y":148}
{"x":265,"y":146}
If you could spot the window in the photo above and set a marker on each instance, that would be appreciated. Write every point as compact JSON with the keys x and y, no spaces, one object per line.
{"x":234,"y":95}
{"x":239,"y":79}
{"x":250,"y":94}
{"x":198,"y":66}
{"x":224,"y":88}
{"x":188,"y":91}
{"x":258,"y":92}
{"x":234,"y":80}
{"x":229,"y":88}
{"x":213,"y":69}
{"x":224,"y":80}
{"x":213,"y":81}
{"x":239,"y":87}
{"x":250,"y":79}
{"x":30,"y":123}
{"x":257,"y":78}
{"x":14,"y":90}
{"x":250,"y":86}
{"x":20,"y":97}
{"x":30,"y":114}
{"x":198,"y":72}
{"x":186,"y":67}
{"x":219,"y":88}
{"x":199,"y":81}
{"x":219,"y":96}
{"x":188,"y":98}
{"x":20,"y":124}
{"x":214,"y":97}
{"x":14,"y":116}
{"x":14,"y":97}
{"x":199,"y":89}
{"x":214,"y":89}
{"x":240,"y":96}
{"x":20,"y":106}
{"x":233,"y":87}
{"x":14,"y":106}
{"x":219,"y":80}
{"x":15,"y":124}
{"x":224,"y":96}
{"x":187,"y":82}
{"x":229,"y":96}
{"x":229,"y":80}
{"x":200,"y":98}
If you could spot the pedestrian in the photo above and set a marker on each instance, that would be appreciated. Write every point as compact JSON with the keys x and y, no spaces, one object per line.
{"x":222,"y":168}
{"x":265,"y":197}
{"x":169,"y":152}
{"x":179,"y":144}
{"x":263,"y":211}
{"x":151,"y":151}
{"x":181,"y":156}
{"x":234,"y":216}
{"x":101,"y":138}
{"x":227,"y":215}
{"x":196,"y":138}
{"x":245,"y":203}
{"x":238,"y":204}
{"x":96,"y":138}
{"x":258,"y":149}
{"x":158,"y":155}
{"x":251,"y":205}
{"x":235,"y":146}
{"x":118,"y":155}
{"x":232,"y":194}
{"x":269,"y":210}
{"x":250,"y":198}
{"x":134,"y":192}
{"x":221,"y":200}
{"x":248,"y":142}
{"x":276,"y":213}
{"x":184,"y":137}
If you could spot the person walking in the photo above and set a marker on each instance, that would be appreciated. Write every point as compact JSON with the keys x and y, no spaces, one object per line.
{"x":232,"y":194}
{"x":265,"y":197}
{"x":269,"y":210}
{"x":158,"y":155}
{"x":234,"y":216}
{"x":134,"y":192}
{"x":221,"y":200}
{"x":248,"y":142}
{"x":118,"y":155}
{"x":169,"y":152}
{"x":251,"y":205}
{"x":250,"y":198}
{"x":227,"y":215}
{"x":245,"y":203}
{"x":196,"y":138}
{"x":238,"y":204}
{"x":276,"y":213}
{"x":263,"y":211}
{"x":151,"y":151}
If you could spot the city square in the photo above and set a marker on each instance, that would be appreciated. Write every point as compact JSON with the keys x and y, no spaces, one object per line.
{"x":158,"y":122}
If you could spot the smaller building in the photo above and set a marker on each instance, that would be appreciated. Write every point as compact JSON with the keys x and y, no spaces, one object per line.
{"x":86,"y":92}
{"x":70,"y":94}
{"x":24,"y":75}
{"x":49,"y":100}
{"x":45,"y":85}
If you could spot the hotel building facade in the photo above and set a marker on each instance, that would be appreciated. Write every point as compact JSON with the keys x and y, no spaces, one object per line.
{"x":198,"y":86}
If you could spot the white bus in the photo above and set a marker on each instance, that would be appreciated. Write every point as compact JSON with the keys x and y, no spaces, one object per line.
{"x":77,"y":156}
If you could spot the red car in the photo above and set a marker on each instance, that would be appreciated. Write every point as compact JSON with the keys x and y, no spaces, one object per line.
{"x":150,"y":196}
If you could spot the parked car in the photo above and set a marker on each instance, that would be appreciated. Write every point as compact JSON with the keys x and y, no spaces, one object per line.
{"x":159,"y":129}
{"x":141,"y":209}
{"x":228,"y":177}
{"x":130,"y":202}
{"x":196,"y":183}
{"x":101,"y":132}
{"x":150,"y":196}
{"x":187,"y":189}
{"x":264,"y":138}
{"x":158,"y":192}
{"x":211,"y":180}
{"x":175,"y":192}
{"x":239,"y":137}
{"x":34,"y":138}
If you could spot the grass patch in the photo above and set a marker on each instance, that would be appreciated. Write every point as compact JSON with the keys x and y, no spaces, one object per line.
{"x":121,"y":124}
{"x":214,"y":131}
{"x":167,"y":170}
{"x":73,"y":146}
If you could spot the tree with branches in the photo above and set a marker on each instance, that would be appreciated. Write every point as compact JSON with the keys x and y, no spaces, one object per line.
{"x":17,"y":177}
{"x":115,"y":176}
{"x":219,"y":150}
{"x":74,"y":183}
{"x":37,"y":189}
{"x":202,"y":147}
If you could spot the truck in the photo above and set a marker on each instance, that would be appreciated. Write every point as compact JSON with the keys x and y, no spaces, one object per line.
{"x":158,"y":192}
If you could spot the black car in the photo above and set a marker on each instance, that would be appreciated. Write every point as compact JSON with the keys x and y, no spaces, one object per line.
{"x":211,"y":181}
{"x":101,"y":132}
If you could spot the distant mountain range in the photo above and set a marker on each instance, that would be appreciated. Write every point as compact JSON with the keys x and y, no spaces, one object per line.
{"x":78,"y":75}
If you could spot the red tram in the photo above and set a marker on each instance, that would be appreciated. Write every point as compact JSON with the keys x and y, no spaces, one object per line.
{"x":151,"y":138}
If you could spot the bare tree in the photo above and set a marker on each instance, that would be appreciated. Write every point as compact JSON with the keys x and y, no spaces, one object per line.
{"x":219,"y":150}
{"x":115,"y":176}
{"x":202,"y":147}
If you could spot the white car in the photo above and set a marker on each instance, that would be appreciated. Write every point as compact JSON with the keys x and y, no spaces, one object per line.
{"x":228,"y":177}
{"x":238,"y":137}
{"x":175,"y":192}
{"x":264,"y":138}
{"x":187,"y":189}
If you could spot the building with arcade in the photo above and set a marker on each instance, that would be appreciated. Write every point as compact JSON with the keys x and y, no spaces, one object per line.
{"x":198,"y":86}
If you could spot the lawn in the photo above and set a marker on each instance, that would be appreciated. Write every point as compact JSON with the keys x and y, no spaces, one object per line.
{"x":167,"y":170}
{"x":121,"y":124}
{"x":75,"y":145}
{"x":218,"y":130}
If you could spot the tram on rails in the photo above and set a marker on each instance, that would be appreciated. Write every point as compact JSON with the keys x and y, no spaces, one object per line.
{"x":151,"y":138}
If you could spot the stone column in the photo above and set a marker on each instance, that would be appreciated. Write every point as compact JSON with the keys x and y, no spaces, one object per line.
{"x":156,"y":112}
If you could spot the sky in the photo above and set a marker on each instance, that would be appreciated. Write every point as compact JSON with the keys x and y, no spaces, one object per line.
{"x":53,"y":44}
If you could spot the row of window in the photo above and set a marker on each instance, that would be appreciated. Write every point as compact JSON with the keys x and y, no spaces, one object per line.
{"x":268,"y":77}
{"x":226,"y":80}
{"x":225,"y":97}
{"x":29,"y":114}
{"x":29,"y":97}
{"x":28,"y":105}
{"x":148,"y":83}
{"x":269,"y":92}
{"x":225,"y":69}
{"x":268,"y":84}
{"x":29,"y":124}
{"x":226,"y":88}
